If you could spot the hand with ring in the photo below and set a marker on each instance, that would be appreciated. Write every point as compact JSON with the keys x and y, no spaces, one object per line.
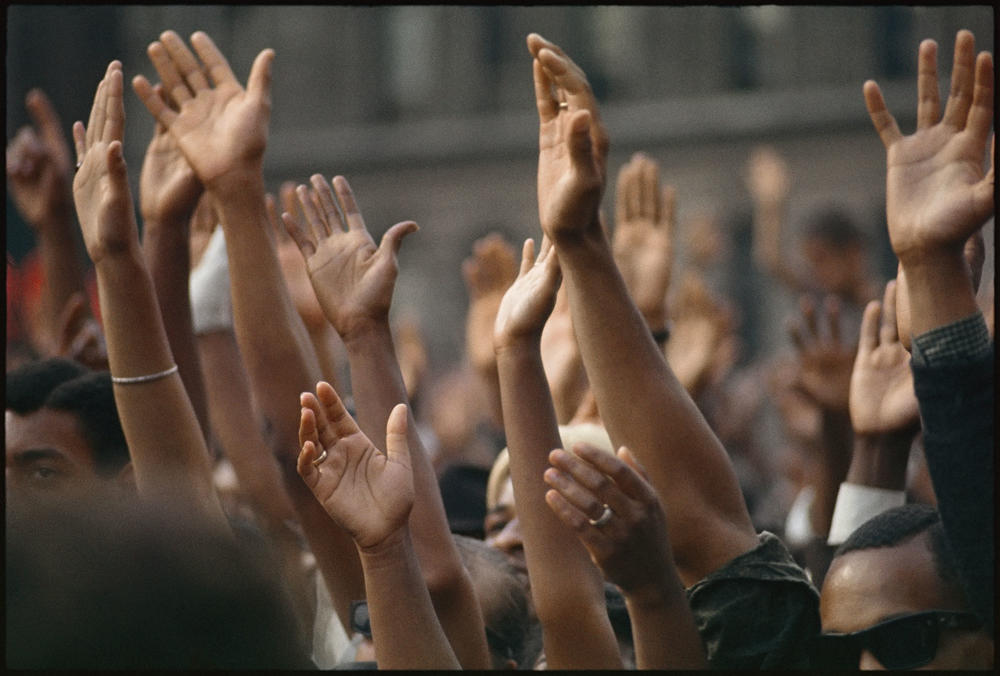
{"x":614,"y":511}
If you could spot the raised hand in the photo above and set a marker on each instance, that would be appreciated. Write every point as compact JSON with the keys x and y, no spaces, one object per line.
{"x":936,"y":192}
{"x":80,"y":336}
{"x":767,"y":176}
{"x":488,"y":273}
{"x":631,"y":546}
{"x":882,"y":399}
{"x":100,"y":188}
{"x":168,"y":187}
{"x":352,"y":277}
{"x":825,"y":362}
{"x":368,"y":492}
{"x":701,"y":337}
{"x":643,"y":237}
{"x":219,"y":126}
{"x":293,"y":267}
{"x":39,"y":166}
{"x":530,"y":299}
{"x":572,"y":144}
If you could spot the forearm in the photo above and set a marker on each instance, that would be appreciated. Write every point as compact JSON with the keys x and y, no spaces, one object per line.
{"x":168,"y":452}
{"x":272,"y":338}
{"x":322,"y":339}
{"x":566,"y":587}
{"x":663,"y":629}
{"x":167,"y":253}
{"x":940,"y":289}
{"x":708,"y":521}
{"x":835,"y":458}
{"x":405,"y":629}
{"x":377,"y":386}
{"x":62,"y":272}
{"x":880,"y":460}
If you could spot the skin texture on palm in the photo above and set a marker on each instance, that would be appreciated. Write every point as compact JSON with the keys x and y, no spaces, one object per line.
{"x":168,"y":452}
{"x":566,"y":588}
{"x":937,"y":193}
{"x":632,"y":550}
{"x":643,"y":236}
{"x":675,"y":443}
{"x":370,"y":494}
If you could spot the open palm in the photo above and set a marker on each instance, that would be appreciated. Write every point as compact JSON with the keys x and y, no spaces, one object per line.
{"x":530,"y":299}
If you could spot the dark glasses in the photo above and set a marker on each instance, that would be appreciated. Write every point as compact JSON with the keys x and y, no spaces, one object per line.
{"x":904,"y":642}
{"x":360,"y":621}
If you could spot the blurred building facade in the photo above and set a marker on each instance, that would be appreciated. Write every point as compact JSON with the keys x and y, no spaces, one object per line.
{"x":429,"y":110}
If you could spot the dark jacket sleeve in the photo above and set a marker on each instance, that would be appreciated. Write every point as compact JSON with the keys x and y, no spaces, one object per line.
{"x":956,"y":408}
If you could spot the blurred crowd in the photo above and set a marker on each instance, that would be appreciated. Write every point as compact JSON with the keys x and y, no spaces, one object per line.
{"x":222,"y":454}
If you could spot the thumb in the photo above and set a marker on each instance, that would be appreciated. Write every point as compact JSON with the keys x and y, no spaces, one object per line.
{"x":397,"y":446}
{"x":393,"y":237}
{"x":259,"y":82}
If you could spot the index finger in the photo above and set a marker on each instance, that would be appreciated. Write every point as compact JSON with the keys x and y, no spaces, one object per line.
{"x":44,"y":115}
{"x":545,"y":100}
{"x":339,"y":421}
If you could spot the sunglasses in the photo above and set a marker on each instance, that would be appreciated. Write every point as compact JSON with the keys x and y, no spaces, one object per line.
{"x":360,"y":621}
{"x":905,"y":642}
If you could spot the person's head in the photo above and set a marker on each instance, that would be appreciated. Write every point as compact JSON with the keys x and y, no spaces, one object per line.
{"x":974,"y":253}
{"x":501,"y":525}
{"x":62,"y":432}
{"x":512,"y":630}
{"x":834,"y":247}
{"x":895,"y":580}
{"x":145,"y":588}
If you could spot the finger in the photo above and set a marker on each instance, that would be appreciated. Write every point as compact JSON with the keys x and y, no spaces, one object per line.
{"x":162,"y":58}
{"x":317,"y":224}
{"x":307,"y":420}
{"x":545,"y":249}
{"x":187,"y":67}
{"x":156,"y":106}
{"x":575,"y":492}
{"x":98,"y":110}
{"x":306,"y":246}
{"x":885,"y":123}
{"x":591,"y":537}
{"x":536,"y":43}
{"x":527,"y":256}
{"x":79,"y":140}
{"x":832,"y":307}
{"x":393,"y":237}
{"x":304,"y":464}
{"x":633,"y":194}
{"x":981,"y":113}
{"x":326,"y":203}
{"x":339,"y":421}
{"x":345,"y":196}
{"x":271,"y":207}
{"x":928,"y":97}
{"x":621,"y":203}
{"x":668,"y":209}
{"x":397,"y":445}
{"x":868,"y":337}
{"x":960,"y":97}
{"x":114,"y":126}
{"x":888,"y":331}
{"x":259,"y":82}
{"x":589,"y":477}
{"x":982,"y":193}
{"x":627,"y":479}
{"x":626,"y":456}
{"x":649,"y":189}
{"x":218,"y":68}
{"x":116,"y":167}
{"x":289,"y":201}
{"x":808,"y":309}
{"x":44,"y":115}
{"x":163,"y":94}
{"x":70,"y":317}
{"x":545,"y":100}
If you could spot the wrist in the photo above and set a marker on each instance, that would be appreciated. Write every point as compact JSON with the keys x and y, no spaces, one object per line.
{"x":571,"y":238}
{"x":357,"y":331}
{"x":655,"y":594}
{"x":388,"y":550}
{"x":879,"y":460}
{"x":234,"y":182}
{"x":508,"y":345}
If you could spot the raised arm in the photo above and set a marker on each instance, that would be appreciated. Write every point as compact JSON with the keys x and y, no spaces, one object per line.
{"x":937,"y":197}
{"x":168,"y":452}
{"x":354,"y":280}
{"x":370,"y":494}
{"x":642,"y":404}
{"x":566,"y":588}
{"x":40,"y":176}
{"x":168,"y":194}
{"x":630,"y":546}
{"x":768,"y":181}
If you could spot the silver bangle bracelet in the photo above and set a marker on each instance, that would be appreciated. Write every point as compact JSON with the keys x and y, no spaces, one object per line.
{"x":135,"y":380}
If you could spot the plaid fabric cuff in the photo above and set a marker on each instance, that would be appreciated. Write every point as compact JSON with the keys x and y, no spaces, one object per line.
{"x":962,"y":341}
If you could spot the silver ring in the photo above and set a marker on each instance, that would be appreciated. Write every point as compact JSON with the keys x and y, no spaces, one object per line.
{"x":320,"y":459}
{"x":603,"y":518}
{"x":563,"y":105}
